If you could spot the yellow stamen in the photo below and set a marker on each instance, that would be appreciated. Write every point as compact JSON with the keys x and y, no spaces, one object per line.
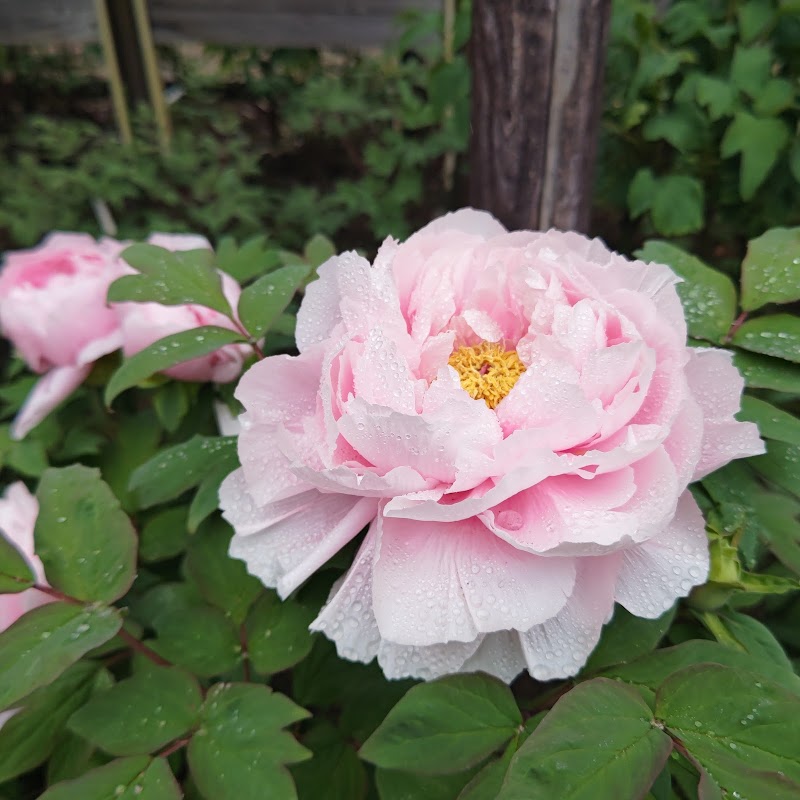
{"x":487,"y":371}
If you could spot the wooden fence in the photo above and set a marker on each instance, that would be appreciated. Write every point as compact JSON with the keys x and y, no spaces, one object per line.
{"x":268,"y":23}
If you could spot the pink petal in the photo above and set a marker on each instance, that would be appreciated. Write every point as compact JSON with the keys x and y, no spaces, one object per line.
{"x":717,"y":387}
{"x":438,"y":583}
{"x":48,"y":393}
{"x":499,"y":654}
{"x":284,"y":554}
{"x":654,"y":574}
{"x":559,"y":647}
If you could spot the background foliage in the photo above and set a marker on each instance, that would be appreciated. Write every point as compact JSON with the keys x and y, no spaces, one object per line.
{"x":169,"y":663}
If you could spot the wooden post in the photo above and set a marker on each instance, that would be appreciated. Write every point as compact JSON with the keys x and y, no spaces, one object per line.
{"x":537,"y":91}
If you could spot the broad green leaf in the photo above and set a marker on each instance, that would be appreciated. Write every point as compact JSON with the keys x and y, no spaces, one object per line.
{"x":779,"y":517}
{"x":177,"y":469}
{"x":641,"y":191}
{"x":206,"y":499}
{"x":15,"y":572}
{"x":247,"y":261}
{"x":718,"y":96}
{"x":170,"y":278}
{"x":751,"y":68}
{"x":758,"y":583}
{"x":240,"y":749}
{"x":755,"y":637}
{"x":28,"y":738}
{"x":134,"y":778}
{"x":776,"y":97}
{"x":650,"y":671}
{"x":677,"y":207}
{"x":166,"y":353}
{"x":760,"y":142}
{"x":600,"y":740}
{"x":445,"y":726}
{"x":628,"y":637}
{"x":398,"y":785}
{"x":486,"y":783}
{"x":771,"y":269}
{"x":164,"y":535}
{"x":763,"y":372}
{"x":334,"y":771}
{"x":196,"y":636}
{"x":708,"y":296}
{"x":731,"y":720}
{"x":773,"y":423}
{"x":142,"y":713}
{"x":277,"y":633}
{"x":781,"y":465}
{"x":223,"y":581}
{"x":777,"y":335}
{"x":85,"y":540}
{"x":71,"y":758}
{"x":40,"y":646}
{"x":318,"y":249}
{"x":264,"y":301}
{"x":755,"y":17}
{"x":684,"y":127}
{"x":171,"y":403}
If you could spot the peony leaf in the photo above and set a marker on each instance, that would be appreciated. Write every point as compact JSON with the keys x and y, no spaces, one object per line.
{"x":249,"y":260}
{"x":603,"y":718}
{"x":708,"y":295}
{"x":29,"y":737}
{"x":771,"y":269}
{"x":40,"y":646}
{"x":135,"y":778}
{"x":142,"y":713}
{"x":170,"y":278}
{"x":277,"y":633}
{"x":177,"y":469}
{"x":735,"y":724}
{"x":263,"y":302}
{"x":781,"y":465}
{"x":15,"y":572}
{"x":164,"y":535}
{"x":240,"y":749}
{"x":445,"y":726}
{"x":777,"y":335}
{"x":166,"y":353}
{"x":773,"y":423}
{"x":85,"y":540}
{"x":763,"y":372}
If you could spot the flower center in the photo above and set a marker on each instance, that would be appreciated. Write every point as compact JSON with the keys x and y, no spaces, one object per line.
{"x":487,"y":371}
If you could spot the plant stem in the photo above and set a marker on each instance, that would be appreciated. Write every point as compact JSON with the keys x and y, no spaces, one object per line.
{"x":173,"y":748}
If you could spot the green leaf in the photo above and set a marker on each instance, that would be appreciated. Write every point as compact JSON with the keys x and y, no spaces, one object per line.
{"x":641,"y":191}
{"x":170,"y":278}
{"x":265,"y":300}
{"x":171,"y":403}
{"x":716,"y":95}
{"x":240,"y":749}
{"x":755,"y":638}
{"x":164,"y":535}
{"x":28,"y":738}
{"x":628,"y":637}
{"x":755,"y":17}
{"x":677,"y":207}
{"x":771,"y":269}
{"x":250,"y":260}
{"x":15,"y":573}
{"x":398,"y":785}
{"x":318,"y":249}
{"x":779,"y":517}
{"x":223,"y":581}
{"x":760,"y":142}
{"x":335,"y":770}
{"x":277,"y":633}
{"x":773,"y":423}
{"x":40,"y":646}
{"x":751,"y":68}
{"x":781,"y":465}
{"x":600,"y":740}
{"x":776,"y":97}
{"x":730,"y":721}
{"x":708,"y":296}
{"x":142,"y":713}
{"x":486,"y":783}
{"x":762,"y":372}
{"x":135,"y":778}
{"x":85,"y":540}
{"x":777,"y":335}
{"x":445,"y":726}
{"x":166,"y":353}
{"x":177,"y":469}
{"x":650,"y":671}
{"x":206,"y":499}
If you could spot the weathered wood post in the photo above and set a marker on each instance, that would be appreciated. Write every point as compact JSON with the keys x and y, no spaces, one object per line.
{"x":537,"y":84}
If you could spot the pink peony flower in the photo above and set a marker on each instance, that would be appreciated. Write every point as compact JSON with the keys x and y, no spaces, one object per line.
{"x":18,"y":512}
{"x":145,"y":323}
{"x":53,"y":309}
{"x":516,"y":418}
